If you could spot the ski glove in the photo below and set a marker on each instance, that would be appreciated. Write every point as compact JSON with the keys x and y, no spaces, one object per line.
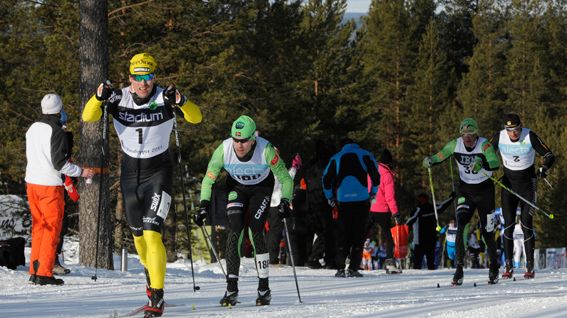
{"x":398,"y":218}
{"x":542,"y":172}
{"x":332,"y":203}
{"x":427,"y":162}
{"x":202,"y":214}
{"x":335,"y":213}
{"x":104,"y":91}
{"x":71,"y":189}
{"x":477,"y":164}
{"x":172,"y":97}
{"x":296,"y":163}
{"x":284,"y":209}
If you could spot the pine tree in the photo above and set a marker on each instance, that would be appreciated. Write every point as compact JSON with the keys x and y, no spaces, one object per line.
{"x":482,"y":88}
{"x":552,"y":63}
{"x":458,"y":37}
{"x":525,"y":77}
{"x":387,"y":58}
{"x":429,"y":100}
{"x":332,"y":101}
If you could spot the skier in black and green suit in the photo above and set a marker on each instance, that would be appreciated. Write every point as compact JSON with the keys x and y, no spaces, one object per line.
{"x":251,"y":163}
{"x":476,"y":160}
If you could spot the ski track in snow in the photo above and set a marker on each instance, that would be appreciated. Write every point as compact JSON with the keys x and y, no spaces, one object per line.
{"x":413,"y":293}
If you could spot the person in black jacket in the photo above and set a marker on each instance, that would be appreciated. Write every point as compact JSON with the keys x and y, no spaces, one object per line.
{"x":518,"y":146}
{"x":317,"y":214}
{"x":424,"y":229}
{"x":345,"y":185}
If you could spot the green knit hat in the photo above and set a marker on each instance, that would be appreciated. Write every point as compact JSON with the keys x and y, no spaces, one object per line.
{"x":468,"y":126}
{"x":243,"y":128}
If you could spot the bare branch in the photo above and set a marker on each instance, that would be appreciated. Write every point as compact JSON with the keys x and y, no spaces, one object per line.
{"x":115,"y":11}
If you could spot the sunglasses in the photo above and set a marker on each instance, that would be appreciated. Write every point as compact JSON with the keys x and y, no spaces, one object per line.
{"x":146,"y":77}
{"x":241,"y":141}
{"x":515,"y":129}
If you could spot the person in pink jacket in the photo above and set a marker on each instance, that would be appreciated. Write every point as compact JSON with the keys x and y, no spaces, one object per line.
{"x":385,"y":205}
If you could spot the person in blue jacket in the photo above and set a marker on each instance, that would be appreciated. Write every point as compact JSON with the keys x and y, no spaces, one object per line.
{"x":450,"y":232}
{"x":345,"y":185}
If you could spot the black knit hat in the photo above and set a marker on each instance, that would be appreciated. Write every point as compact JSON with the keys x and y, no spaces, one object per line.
{"x":512,"y":121}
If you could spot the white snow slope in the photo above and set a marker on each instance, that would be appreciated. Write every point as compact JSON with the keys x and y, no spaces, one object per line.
{"x":413,"y":293}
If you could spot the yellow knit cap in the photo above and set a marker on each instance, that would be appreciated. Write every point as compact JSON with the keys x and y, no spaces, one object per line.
{"x":142,"y":64}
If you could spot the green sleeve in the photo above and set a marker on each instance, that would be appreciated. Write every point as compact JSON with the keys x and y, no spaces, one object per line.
{"x":213,"y":170}
{"x":445,"y":153}
{"x":277,"y":166}
{"x":490,"y":156}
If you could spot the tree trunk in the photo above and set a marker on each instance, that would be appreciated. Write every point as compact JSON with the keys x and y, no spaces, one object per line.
{"x":93,"y":54}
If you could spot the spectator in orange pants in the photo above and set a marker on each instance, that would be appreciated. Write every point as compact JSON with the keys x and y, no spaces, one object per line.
{"x":47,"y":153}
{"x":47,"y":205}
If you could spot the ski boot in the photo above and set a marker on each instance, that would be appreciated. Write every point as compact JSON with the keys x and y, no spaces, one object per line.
{"x":48,"y":280}
{"x":509,"y":270}
{"x":353,"y":273}
{"x":391,"y":267}
{"x":264,"y":298}
{"x":229,"y":298}
{"x":340,"y":273}
{"x":155,"y":305}
{"x":314,"y":264}
{"x":493,"y":273}
{"x":458,"y":276}
{"x":529,"y":274}
{"x":58,"y":269}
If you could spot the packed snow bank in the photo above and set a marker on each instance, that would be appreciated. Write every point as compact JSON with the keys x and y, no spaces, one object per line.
{"x":413,"y":293}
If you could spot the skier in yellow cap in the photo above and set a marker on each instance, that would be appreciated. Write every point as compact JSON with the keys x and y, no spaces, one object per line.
{"x":143,"y":116}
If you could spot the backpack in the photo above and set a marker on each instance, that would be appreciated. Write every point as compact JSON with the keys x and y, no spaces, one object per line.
{"x":12,"y":252}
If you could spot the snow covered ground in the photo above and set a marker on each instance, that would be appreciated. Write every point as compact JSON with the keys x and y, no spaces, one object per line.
{"x":411,"y":294}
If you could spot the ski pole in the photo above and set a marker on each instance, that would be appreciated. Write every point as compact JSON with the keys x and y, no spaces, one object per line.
{"x":291,"y":257}
{"x":101,"y":181}
{"x":187,"y":221}
{"x":212,"y":248}
{"x":438,"y":228}
{"x":548,"y":183}
{"x":549,"y":215}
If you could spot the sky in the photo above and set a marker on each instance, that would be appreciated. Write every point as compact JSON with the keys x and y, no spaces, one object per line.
{"x":414,"y":293}
{"x":358,"y":5}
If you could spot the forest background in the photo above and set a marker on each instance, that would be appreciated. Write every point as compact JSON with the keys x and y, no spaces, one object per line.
{"x":403,"y":77}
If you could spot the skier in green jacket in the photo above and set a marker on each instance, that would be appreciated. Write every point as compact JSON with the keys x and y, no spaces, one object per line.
{"x":251,"y":163}
{"x":476,"y":160}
